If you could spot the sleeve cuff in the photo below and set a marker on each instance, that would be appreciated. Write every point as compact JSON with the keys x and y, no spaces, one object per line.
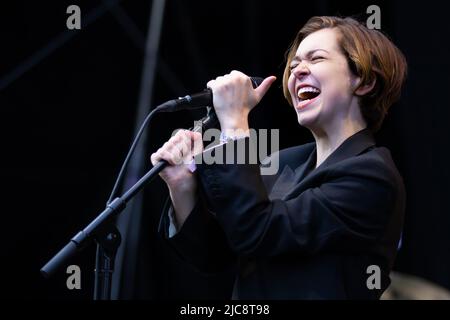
{"x":172,"y":227}
{"x":224,"y":138}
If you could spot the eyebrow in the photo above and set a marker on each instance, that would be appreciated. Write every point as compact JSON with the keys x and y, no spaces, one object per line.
{"x":308,"y":54}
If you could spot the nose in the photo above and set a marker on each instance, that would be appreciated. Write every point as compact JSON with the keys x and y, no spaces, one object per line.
{"x":300,"y":71}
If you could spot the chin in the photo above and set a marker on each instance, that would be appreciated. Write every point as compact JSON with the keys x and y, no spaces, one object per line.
{"x":305,"y":121}
{"x":309,"y":118}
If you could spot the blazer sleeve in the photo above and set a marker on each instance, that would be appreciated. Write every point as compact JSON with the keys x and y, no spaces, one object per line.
{"x":347,"y":212}
{"x":200,"y":241}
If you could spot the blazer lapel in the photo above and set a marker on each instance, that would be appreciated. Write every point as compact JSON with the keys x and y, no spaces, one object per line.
{"x":305,"y":174}
{"x":289,"y":178}
{"x":351,"y":147}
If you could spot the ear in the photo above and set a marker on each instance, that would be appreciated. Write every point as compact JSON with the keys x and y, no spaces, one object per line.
{"x":364,"y":89}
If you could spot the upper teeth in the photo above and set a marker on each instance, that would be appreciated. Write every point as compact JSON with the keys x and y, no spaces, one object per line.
{"x":307,"y":89}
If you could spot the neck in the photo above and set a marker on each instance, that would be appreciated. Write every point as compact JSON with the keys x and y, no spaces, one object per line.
{"x":329,"y":140}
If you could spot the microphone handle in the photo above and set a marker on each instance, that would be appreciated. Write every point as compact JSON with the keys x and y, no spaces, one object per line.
{"x":211,"y":118}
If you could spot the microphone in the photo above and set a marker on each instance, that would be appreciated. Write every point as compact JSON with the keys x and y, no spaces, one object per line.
{"x":197,"y":100}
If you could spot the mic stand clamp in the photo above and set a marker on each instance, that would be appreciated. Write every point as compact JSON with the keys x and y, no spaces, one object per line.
{"x":107,"y":245}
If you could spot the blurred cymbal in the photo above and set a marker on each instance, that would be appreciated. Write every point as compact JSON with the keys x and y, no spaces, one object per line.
{"x":408,"y":287}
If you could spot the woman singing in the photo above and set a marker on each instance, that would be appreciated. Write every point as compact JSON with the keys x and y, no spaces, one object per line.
{"x":327,"y":225}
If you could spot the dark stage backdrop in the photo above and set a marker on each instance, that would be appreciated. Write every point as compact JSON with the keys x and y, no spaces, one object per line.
{"x":68,"y":104}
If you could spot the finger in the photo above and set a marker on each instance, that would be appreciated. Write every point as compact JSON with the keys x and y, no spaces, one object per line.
{"x":238,"y":73}
{"x":195,"y":136}
{"x":170,"y":157}
{"x":177,"y":136}
{"x":171,"y":152}
{"x":264,"y":87}
{"x":154,"y":158}
{"x":168,"y":152}
{"x":186,"y":145}
{"x":181,"y":150}
{"x":180,"y":133}
{"x":173,"y":142}
{"x":215,"y":82}
{"x":175,"y":150}
{"x":197,"y":143}
{"x":212,"y":83}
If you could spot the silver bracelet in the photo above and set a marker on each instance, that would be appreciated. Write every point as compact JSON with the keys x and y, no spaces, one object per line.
{"x":224,"y":138}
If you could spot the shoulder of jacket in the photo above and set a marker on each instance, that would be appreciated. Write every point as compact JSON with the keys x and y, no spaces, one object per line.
{"x":376,"y":162}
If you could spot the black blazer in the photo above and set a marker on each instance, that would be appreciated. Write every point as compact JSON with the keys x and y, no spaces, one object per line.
{"x":303,"y":233}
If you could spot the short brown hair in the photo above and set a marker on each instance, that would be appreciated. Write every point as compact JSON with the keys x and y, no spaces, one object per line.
{"x":370,"y":55}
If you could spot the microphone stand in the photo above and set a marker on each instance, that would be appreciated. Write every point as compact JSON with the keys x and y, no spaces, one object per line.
{"x":107,"y":236}
{"x":103,"y":230}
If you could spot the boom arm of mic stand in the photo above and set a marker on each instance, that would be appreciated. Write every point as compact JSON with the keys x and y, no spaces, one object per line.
{"x":84,"y":237}
{"x":102,"y":228}
{"x":113,"y":209}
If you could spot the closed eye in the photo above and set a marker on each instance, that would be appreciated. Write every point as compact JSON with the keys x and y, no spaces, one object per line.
{"x":314,"y":59}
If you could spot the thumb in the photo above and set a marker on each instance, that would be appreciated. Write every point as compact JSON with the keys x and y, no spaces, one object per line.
{"x":264,"y":87}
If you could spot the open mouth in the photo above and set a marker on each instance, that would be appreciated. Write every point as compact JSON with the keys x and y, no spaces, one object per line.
{"x":307,"y":93}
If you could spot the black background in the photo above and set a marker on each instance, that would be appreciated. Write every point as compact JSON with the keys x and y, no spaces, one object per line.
{"x":67,"y":121}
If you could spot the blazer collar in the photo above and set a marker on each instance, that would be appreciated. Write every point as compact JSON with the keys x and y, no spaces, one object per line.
{"x":352,"y":146}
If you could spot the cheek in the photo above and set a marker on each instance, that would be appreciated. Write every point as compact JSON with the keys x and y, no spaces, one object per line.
{"x":334,"y":79}
{"x":291,"y":85}
{"x":345,"y":75}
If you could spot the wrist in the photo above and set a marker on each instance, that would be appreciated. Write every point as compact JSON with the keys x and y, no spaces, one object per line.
{"x":228,"y":134}
{"x":183,"y":203}
{"x":183,"y":186}
{"x":233,"y":125}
